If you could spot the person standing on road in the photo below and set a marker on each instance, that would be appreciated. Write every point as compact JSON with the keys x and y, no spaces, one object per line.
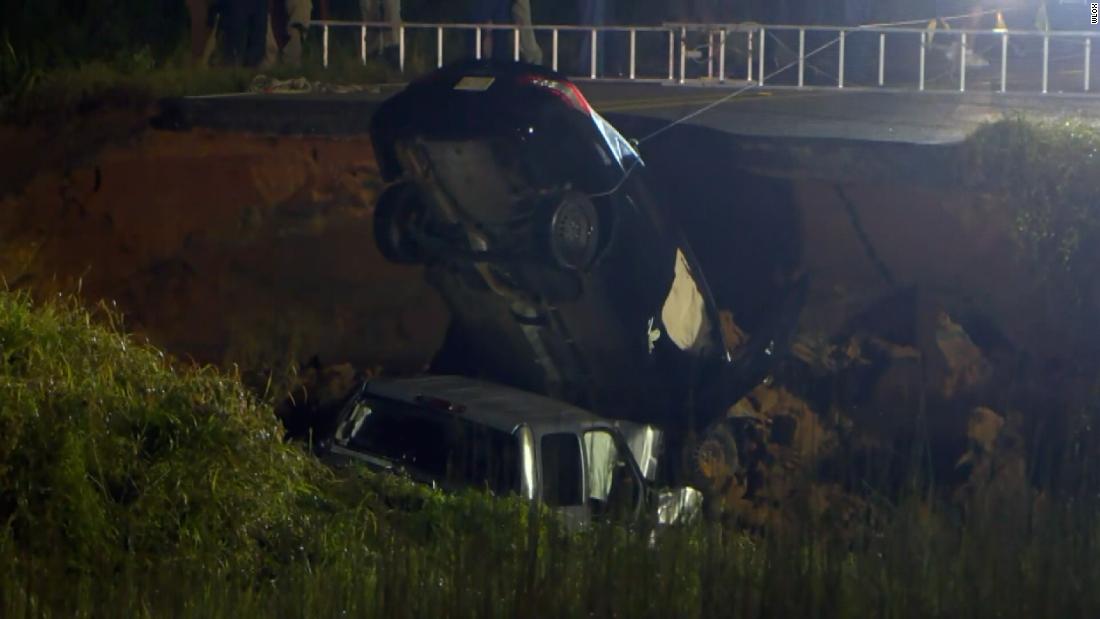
{"x":298,"y":14}
{"x":379,"y":41}
{"x":200,"y":27}
{"x":528,"y":46}
{"x":287,"y":26}
{"x":506,"y":12}
{"x":596,"y":13}
{"x":245,"y":31}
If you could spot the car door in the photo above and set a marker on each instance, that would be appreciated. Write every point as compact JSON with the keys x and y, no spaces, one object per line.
{"x":561,"y":477}
{"x":614,"y":487}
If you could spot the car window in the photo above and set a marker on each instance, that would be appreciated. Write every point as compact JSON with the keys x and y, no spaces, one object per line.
{"x":561,"y":470}
{"x":438,"y":444}
{"x":613,"y":485}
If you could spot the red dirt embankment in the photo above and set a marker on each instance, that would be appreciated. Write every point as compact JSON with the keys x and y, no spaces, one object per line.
{"x":231,"y":248}
{"x":226,"y":248}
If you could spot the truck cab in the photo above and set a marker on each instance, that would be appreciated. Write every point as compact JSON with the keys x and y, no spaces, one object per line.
{"x":455,"y":432}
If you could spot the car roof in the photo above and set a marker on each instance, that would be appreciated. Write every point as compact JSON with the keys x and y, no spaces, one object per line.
{"x":497,"y":406}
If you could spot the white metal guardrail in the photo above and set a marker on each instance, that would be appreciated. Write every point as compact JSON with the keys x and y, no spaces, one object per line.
{"x":871,"y":57}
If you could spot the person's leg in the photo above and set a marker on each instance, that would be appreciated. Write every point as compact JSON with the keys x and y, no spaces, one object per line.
{"x":614,"y":44}
{"x":501,"y":38}
{"x":271,"y":47}
{"x":593,"y":13}
{"x":199,"y":28}
{"x":392,"y":14}
{"x":529,"y":46}
{"x":257,"y":31}
{"x":234,"y":31}
{"x":211,"y":43}
{"x":298,"y":18}
{"x":483,"y":12}
{"x":371,"y":10}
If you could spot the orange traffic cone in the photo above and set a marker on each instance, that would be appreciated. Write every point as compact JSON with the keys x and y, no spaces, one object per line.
{"x":1000,"y":25}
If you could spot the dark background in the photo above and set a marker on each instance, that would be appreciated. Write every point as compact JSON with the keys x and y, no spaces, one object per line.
{"x":46,"y":33}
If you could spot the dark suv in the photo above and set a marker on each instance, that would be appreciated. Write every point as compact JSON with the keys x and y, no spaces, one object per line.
{"x":562,"y":275}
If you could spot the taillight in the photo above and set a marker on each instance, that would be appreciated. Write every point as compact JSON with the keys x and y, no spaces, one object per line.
{"x":566,"y":91}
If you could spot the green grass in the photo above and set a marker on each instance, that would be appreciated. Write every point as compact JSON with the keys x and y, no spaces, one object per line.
{"x":29,"y":93}
{"x":1048,"y":172}
{"x":131,"y":485}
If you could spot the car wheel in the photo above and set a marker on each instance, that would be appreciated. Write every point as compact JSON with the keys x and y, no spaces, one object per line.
{"x":399,"y":211}
{"x":572,"y":230}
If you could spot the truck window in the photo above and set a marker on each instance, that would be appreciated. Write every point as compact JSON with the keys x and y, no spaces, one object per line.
{"x":437,"y":444}
{"x":613,"y":485}
{"x":561,"y":470}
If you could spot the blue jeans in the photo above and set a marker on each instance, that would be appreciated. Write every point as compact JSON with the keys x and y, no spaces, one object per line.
{"x":497,"y":12}
{"x":595,"y":13}
{"x":244,"y":31}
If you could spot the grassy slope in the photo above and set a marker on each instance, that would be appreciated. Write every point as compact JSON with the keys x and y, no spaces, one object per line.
{"x":153,"y":490}
{"x":44,"y":94}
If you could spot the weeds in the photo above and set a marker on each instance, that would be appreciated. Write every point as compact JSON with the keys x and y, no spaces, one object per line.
{"x":132,"y":484}
{"x":1049,"y":174}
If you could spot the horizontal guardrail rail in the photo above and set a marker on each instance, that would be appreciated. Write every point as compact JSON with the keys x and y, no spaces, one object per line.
{"x":886,"y":57}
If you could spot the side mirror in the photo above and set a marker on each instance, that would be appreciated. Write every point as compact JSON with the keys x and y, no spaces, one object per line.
{"x":678,"y":505}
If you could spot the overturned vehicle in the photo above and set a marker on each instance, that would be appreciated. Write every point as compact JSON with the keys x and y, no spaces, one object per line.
{"x":563,"y":276}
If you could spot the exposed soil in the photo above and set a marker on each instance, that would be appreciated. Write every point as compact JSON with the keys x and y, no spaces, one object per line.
{"x":226,"y":248}
{"x":234,"y":248}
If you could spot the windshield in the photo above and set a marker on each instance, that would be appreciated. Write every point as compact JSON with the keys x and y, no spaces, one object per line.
{"x":436,"y":444}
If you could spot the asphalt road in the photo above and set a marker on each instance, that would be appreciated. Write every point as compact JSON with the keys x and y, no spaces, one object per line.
{"x":850,"y":114}
{"x":862,"y":115}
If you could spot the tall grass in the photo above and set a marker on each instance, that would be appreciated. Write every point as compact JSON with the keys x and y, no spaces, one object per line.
{"x":132,"y":486}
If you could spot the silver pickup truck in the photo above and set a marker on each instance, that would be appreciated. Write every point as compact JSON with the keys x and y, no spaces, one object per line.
{"x":455,"y":432}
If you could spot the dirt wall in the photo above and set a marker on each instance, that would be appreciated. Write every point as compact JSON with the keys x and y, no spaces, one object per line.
{"x":226,"y":248}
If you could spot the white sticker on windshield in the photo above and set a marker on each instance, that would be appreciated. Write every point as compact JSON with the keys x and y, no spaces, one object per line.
{"x":474,"y":83}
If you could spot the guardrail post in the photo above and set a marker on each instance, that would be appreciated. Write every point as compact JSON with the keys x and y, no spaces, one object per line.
{"x":750,"y":55}
{"x":962,"y":62}
{"x":1088,"y":61}
{"x":923,"y":45}
{"x":722,"y":56}
{"x":671,"y":55}
{"x":1004,"y":61}
{"x":801,"y":57}
{"x":401,"y":48}
{"x":710,"y":54}
{"x":554,"y":49}
{"x":593,"y":54}
{"x":683,"y":53}
{"x":633,"y":52}
{"x":363,"y":44}
{"x":1046,"y":61}
{"x":324,"y":46}
{"x":477,"y":42}
{"x":881,"y":58}
{"x":515,"y":44}
{"x":840,"y":72}
{"x":439,"y":46}
{"x":763,"y":40}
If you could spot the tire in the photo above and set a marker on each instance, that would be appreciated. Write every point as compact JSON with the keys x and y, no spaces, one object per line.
{"x":399,"y":211}
{"x":571,"y":231}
